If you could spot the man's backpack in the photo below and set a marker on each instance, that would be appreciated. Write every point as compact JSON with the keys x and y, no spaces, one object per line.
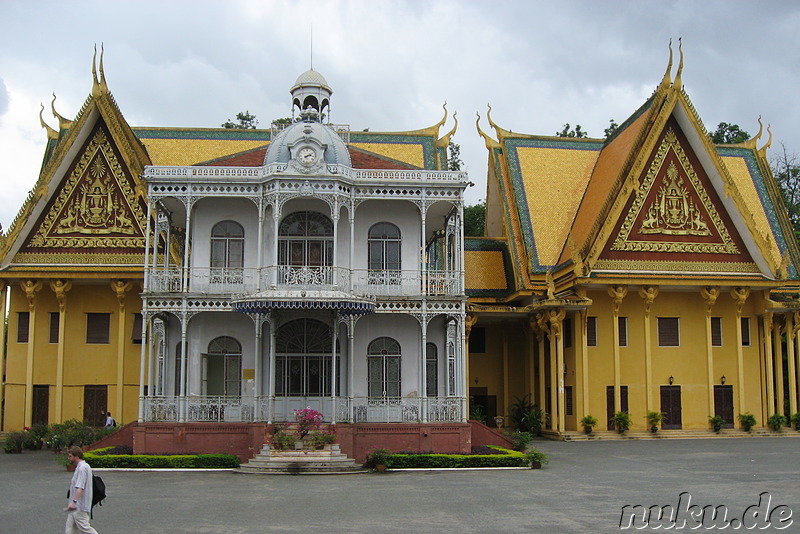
{"x":98,"y":492}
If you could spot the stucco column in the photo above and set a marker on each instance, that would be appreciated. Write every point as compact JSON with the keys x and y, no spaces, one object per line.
{"x":145,"y":349}
{"x":648,"y":294}
{"x":120,"y":288}
{"x":556,"y":319}
{"x":469,"y":322}
{"x":740,"y":295}
{"x":3,"y":296}
{"x":506,"y":393}
{"x":769,"y":407}
{"x":777,"y":354}
{"x":584,"y":363}
{"x":30,"y":288}
{"x":617,"y":293}
{"x":794,"y":368}
{"x":709,"y":295}
{"x":60,"y":288}
{"x":791,"y":334}
{"x":543,"y":330}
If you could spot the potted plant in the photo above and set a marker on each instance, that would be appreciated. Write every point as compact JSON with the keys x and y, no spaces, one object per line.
{"x":748,"y":421}
{"x":521,"y":440}
{"x":654,"y":419}
{"x":776,"y":421}
{"x":63,"y":459}
{"x":716,"y":421}
{"x":795,"y":420}
{"x":14,"y":442}
{"x":536,"y":458}
{"x":588,"y":422}
{"x":622,"y":421}
{"x":377,"y":459}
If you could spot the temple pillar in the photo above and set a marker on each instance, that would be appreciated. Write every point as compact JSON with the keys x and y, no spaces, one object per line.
{"x":31,"y":288}
{"x":740,"y":295}
{"x":617,"y":293}
{"x":709,"y":295}
{"x":60,"y":288}
{"x":120,"y":288}
{"x":648,"y":294}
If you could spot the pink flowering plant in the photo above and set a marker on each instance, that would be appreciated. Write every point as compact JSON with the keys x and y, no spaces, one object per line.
{"x":308,"y":420}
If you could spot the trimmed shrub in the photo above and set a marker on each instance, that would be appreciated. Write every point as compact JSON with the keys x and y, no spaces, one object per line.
{"x":146,"y":461}
{"x":503,"y":458}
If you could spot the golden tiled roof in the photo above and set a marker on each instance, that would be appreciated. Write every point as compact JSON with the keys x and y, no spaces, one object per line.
{"x":484,"y":269}
{"x":191,"y":151}
{"x":554,"y":181}
{"x":408,"y":153}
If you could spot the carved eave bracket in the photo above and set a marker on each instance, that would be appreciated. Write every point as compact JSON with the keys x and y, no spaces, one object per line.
{"x":617,"y":293}
{"x":709,"y":295}
{"x":31,"y":287}
{"x":121,"y":288}
{"x":740,"y":295}
{"x":61,"y":288}
{"x":648,"y":294}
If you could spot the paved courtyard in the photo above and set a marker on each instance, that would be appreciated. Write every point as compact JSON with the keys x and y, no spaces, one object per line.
{"x":582,"y":490}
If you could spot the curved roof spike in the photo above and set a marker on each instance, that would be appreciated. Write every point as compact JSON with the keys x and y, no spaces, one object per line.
{"x":102,"y":79}
{"x":500,"y":131}
{"x":51,"y":133}
{"x":445,"y":139}
{"x":763,"y":149}
{"x":760,"y":129}
{"x":95,"y":81}
{"x":665,"y":81}
{"x":678,"y":82}
{"x":62,"y":121}
{"x":444,"y":119}
{"x":490,"y":143}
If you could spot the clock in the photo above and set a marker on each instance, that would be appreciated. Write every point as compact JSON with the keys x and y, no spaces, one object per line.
{"x":307,"y":156}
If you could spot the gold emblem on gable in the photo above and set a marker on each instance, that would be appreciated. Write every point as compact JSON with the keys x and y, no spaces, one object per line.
{"x":672,"y":211}
{"x":92,"y":208}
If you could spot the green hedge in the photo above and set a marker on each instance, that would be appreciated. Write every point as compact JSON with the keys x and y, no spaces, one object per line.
{"x":183,"y":461}
{"x":504,"y":458}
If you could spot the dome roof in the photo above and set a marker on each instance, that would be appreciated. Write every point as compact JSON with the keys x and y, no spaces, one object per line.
{"x":314,"y":132}
{"x":311,"y":77}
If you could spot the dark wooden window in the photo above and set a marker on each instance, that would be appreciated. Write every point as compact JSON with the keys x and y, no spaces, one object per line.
{"x":55,"y":318}
{"x":745,"y":331}
{"x":23,"y":320}
{"x":95,"y":400}
{"x":716,"y":331}
{"x":41,"y":404}
{"x":668,"y":332}
{"x":622,"y":325}
{"x":97,"y":328}
{"x":567,"y":333}
{"x":568,"y":400}
{"x":136,"y":332}
{"x":591,"y":331}
{"x":723,"y":404}
{"x":477,"y":340}
{"x":671,"y":406}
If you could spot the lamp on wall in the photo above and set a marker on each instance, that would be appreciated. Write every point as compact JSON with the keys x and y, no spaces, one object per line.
{"x":722,"y":379}
{"x":671,"y":379}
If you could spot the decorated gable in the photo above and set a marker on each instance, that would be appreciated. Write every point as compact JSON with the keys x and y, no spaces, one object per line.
{"x":675,"y":220}
{"x":94,"y":215}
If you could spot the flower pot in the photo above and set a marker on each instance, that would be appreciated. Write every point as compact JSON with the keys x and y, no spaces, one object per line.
{"x":536,"y":465}
{"x":380,"y":468}
{"x":654,"y":429}
{"x":587,"y":429}
{"x":298,"y":445}
{"x":71,"y":467}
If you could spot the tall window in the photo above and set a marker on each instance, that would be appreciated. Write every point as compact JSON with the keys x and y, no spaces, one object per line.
{"x":303,"y":359}
{"x":305,"y":239}
{"x":384,"y":253}
{"x":668,"y":332}
{"x":745,"y":331}
{"x":136,"y":330}
{"x":567,"y":333}
{"x":383,"y":368}
{"x":23,"y":321}
{"x":716,"y":331}
{"x":55,"y":318}
{"x":591,"y":331}
{"x":431,"y":370}
{"x":622,"y":325}
{"x":227,"y":249}
{"x":224,"y":372}
{"x":97,"y":328}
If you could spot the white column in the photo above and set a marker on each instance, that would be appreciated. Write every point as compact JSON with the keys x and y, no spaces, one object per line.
{"x":271,"y":374}
{"x":142,"y":361}
{"x":184,"y":359}
{"x":333,"y":364}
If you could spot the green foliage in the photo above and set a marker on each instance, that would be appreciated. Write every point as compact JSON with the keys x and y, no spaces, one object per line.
{"x":716,"y":421}
{"x":654,"y":418}
{"x":282,"y":439}
{"x":786,"y":171}
{"x":475,"y":220}
{"x":454,"y":161}
{"x":319,"y":439}
{"x":527,"y":416}
{"x":14,"y":442}
{"x":378,"y":457}
{"x":144,"y":461}
{"x":73,"y":432}
{"x":476,"y":413}
{"x":777,"y":421}
{"x":795,"y":420}
{"x":728,"y":134}
{"x":577,"y":132}
{"x":612,"y":127}
{"x":748,"y":420}
{"x":504,"y":458}
{"x":535,"y":455}
{"x":246,"y":122}
{"x":588,"y":422}
{"x":622,"y":421}
{"x":521,"y":440}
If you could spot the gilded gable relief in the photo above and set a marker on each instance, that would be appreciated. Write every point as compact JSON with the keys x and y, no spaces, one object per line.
{"x":92,"y":209}
{"x":672,"y":211}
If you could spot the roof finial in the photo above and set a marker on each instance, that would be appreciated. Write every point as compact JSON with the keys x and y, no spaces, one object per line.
{"x":51,"y":133}
{"x":665,"y":81}
{"x":760,"y":129}
{"x":678,"y":82}
{"x":764,"y":148}
{"x":103,"y":85}
{"x":490,"y":143}
{"x":62,"y":122}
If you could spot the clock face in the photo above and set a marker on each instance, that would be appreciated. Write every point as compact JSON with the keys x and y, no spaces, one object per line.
{"x":307,"y":156}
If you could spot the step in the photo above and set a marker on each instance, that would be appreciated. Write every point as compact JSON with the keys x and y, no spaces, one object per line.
{"x":330,"y":459}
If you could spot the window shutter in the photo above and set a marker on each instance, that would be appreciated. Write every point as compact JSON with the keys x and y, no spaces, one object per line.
{"x":55,"y":318}
{"x":23,"y":320}
{"x":716,"y":331}
{"x":745,"y":331}
{"x":622,"y":323}
{"x":591,"y":331}
{"x":97,"y":328}
{"x":668,"y":335}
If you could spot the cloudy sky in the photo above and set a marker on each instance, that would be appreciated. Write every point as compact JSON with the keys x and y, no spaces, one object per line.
{"x":392,"y":64}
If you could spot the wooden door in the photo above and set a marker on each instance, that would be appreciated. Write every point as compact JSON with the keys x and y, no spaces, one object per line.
{"x":623,"y":397}
{"x":95,"y":401}
{"x":41,"y":404}
{"x":671,"y":406}
{"x":723,"y":404}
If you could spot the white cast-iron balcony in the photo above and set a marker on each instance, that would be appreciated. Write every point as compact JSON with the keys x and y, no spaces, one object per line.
{"x":237,"y":281}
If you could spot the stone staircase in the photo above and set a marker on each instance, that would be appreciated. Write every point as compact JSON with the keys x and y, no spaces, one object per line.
{"x":674,"y":434}
{"x":328,"y":460}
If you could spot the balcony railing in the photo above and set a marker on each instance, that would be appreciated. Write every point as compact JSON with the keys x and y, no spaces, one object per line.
{"x":362,"y":282}
{"x":347,"y":409}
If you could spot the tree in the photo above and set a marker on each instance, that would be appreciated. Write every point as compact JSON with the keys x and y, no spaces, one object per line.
{"x":786,"y":170}
{"x":612,"y":127}
{"x":246,"y":122}
{"x":475,"y":220}
{"x":729,"y":134}
{"x":577,"y":132}
{"x":454,"y":161}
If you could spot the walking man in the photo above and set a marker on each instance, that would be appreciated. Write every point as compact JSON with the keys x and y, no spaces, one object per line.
{"x":80,"y":494}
